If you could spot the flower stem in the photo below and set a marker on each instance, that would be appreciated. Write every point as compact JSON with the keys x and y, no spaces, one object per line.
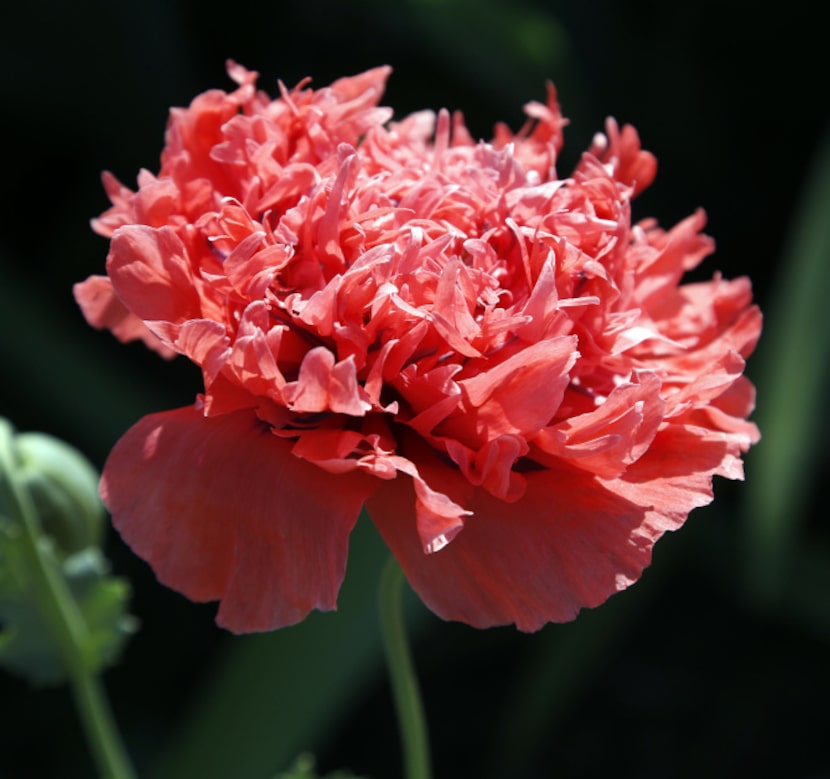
{"x":61,"y":612}
{"x":410,"y":711}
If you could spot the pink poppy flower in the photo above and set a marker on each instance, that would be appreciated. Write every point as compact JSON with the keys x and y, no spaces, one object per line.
{"x":495,"y":361}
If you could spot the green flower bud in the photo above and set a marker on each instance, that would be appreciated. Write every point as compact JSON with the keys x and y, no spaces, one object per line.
{"x":61,"y":613}
{"x":63,"y":486}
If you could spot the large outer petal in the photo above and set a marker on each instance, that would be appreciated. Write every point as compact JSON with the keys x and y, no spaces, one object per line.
{"x":570,"y":542}
{"x":566,"y":544}
{"x":221,"y":509}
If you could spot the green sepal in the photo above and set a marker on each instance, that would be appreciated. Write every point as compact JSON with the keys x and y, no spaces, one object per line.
{"x":27,"y":643}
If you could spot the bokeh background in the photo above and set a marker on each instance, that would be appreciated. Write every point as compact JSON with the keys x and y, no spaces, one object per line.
{"x":716,"y":664}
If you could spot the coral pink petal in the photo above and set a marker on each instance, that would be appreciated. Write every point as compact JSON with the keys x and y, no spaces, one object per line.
{"x":437,"y":517}
{"x":566,"y":544}
{"x":521,"y":394}
{"x":607,"y":440}
{"x":675,"y":474}
{"x":150,"y":273}
{"x":221,"y":509}
{"x":323,"y":385}
{"x":103,"y":310}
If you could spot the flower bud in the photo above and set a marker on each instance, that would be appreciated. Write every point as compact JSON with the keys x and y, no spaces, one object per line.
{"x":63,"y":486}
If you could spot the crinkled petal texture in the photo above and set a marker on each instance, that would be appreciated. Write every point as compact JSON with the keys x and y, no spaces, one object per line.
{"x":504,"y":367}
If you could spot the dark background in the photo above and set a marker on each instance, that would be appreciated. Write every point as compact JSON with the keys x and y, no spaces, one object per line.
{"x":716,"y":664}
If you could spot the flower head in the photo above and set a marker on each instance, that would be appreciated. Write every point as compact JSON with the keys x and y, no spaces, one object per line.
{"x":502,"y":366}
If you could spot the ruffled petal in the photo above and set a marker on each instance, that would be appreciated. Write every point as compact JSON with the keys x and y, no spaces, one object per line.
{"x":607,"y":440}
{"x":675,"y":474}
{"x":221,"y":509}
{"x":324,"y":385}
{"x":437,"y":516}
{"x":520,"y":395}
{"x":104,"y":311}
{"x":621,"y":149}
{"x":151,"y":274}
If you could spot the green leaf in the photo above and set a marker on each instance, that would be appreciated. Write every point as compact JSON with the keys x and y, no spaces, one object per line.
{"x":103,"y":600}
{"x":792,"y":368}
{"x":28,"y":646}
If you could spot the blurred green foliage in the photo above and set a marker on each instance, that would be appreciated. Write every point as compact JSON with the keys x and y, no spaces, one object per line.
{"x":304,"y":768}
{"x":794,"y":361}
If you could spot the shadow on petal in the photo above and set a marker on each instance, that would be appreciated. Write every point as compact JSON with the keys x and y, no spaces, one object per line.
{"x":221,"y":509}
{"x":568,"y":543}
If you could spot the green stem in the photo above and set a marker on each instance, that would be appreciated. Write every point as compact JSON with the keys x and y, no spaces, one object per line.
{"x":411,"y":720}
{"x":102,"y":735}
{"x":70,"y":632}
